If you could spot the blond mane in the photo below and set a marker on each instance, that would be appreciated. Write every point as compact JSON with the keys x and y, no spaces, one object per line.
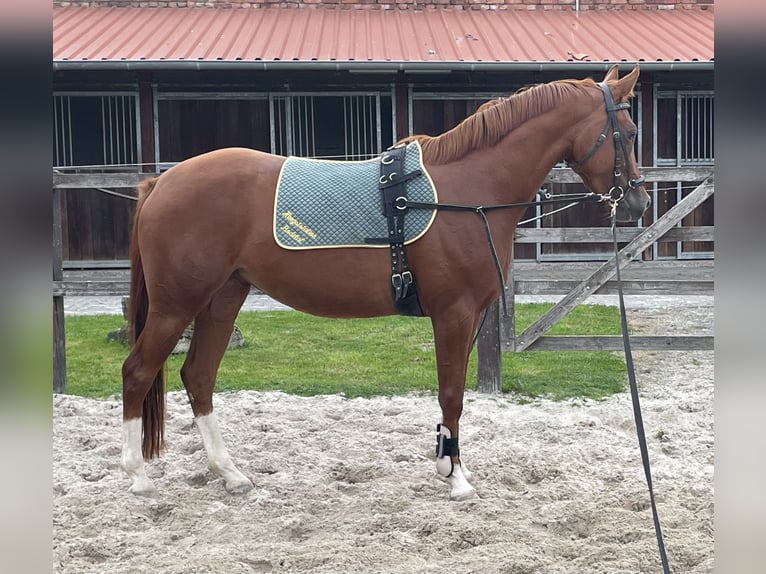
{"x":496,"y":118}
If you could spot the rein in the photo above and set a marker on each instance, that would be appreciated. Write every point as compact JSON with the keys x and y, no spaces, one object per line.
{"x":636,"y":404}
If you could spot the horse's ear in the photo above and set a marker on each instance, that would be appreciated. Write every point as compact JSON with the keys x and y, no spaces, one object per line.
{"x":624,"y":87}
{"x":612,"y":74}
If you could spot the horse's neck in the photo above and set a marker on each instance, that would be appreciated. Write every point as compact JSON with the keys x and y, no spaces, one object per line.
{"x":515,"y":168}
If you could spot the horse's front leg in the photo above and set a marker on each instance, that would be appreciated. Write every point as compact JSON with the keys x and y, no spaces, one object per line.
{"x":453,"y":334}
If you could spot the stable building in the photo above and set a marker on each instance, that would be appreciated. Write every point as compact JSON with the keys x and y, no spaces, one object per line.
{"x":140,"y":85}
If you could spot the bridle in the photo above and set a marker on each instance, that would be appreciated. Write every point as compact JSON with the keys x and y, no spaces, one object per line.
{"x":617,"y":192}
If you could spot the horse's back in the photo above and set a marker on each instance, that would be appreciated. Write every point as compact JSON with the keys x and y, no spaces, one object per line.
{"x":202,"y":211}
{"x":242,"y":167}
{"x":216,"y":187}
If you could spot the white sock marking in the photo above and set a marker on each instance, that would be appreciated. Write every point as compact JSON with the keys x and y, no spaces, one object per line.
{"x":132,"y":461}
{"x":218,"y":457}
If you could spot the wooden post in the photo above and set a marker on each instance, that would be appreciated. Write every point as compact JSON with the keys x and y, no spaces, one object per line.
{"x":496,"y":335}
{"x":647,"y":139}
{"x":508,"y":324}
{"x":401,"y":103}
{"x":489,"y":371}
{"x":146,"y":115}
{"x":59,"y":340}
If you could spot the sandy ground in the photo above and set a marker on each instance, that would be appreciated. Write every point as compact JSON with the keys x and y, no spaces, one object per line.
{"x":348,"y":486}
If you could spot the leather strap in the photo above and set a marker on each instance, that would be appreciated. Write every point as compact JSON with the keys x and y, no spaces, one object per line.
{"x":393,"y":187}
{"x":636,"y":405}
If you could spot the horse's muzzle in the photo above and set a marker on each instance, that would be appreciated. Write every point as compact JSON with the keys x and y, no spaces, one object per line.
{"x":633,"y":205}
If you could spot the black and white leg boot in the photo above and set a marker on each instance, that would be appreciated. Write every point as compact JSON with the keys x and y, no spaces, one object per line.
{"x":446,"y":449}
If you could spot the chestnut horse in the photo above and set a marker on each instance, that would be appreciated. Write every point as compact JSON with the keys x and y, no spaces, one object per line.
{"x":202,"y":236}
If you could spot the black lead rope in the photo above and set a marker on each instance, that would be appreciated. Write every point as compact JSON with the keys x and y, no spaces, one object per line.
{"x":636,"y":405}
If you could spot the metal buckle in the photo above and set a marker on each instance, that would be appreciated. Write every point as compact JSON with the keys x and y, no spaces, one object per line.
{"x":400,"y":203}
{"x":390,"y":177}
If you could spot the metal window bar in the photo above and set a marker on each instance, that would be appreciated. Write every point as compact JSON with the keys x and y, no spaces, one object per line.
{"x":395,"y":136}
{"x":62,"y":130}
{"x":349,"y":129}
{"x":359,"y":107}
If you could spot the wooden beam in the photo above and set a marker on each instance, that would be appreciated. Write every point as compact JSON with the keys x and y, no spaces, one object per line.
{"x":589,"y":286}
{"x":646,"y":287}
{"x":614,"y":343}
{"x":95,"y":180}
{"x":652,"y":174}
{"x":59,"y":334}
{"x":402,"y":106}
{"x":604,"y":234}
{"x":489,"y":368}
{"x":146,"y":118}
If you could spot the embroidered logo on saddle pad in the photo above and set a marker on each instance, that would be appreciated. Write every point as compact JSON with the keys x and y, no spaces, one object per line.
{"x":323,"y":203}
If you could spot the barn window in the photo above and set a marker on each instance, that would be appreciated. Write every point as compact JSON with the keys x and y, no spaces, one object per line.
{"x":95,"y":130}
{"x":683,"y":137}
{"x":342,"y":126}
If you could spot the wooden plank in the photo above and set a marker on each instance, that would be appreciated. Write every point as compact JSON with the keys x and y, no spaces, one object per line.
{"x":508,"y":324}
{"x":90,"y":288}
{"x":85,"y":288}
{"x":92,"y":264}
{"x":604,"y":234}
{"x":489,"y":368}
{"x":146,"y":119}
{"x":648,"y":287}
{"x":500,"y":332}
{"x":614,"y":343}
{"x":607,"y":270}
{"x":96,"y":180}
{"x":667,"y":269}
{"x":652,"y":174}
{"x":59,"y":334}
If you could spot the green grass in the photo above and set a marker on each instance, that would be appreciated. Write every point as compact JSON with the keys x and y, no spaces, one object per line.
{"x":306,"y":355}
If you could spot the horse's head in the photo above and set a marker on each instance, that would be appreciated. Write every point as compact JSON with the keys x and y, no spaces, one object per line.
{"x":611,"y":168}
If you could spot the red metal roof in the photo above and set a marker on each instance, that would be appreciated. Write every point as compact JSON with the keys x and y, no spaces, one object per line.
{"x":393,"y":39}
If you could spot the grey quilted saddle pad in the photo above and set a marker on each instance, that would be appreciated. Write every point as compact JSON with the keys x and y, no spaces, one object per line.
{"x":323,"y":203}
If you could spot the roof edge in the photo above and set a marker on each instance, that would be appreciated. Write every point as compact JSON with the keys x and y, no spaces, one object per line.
{"x":372,"y":67}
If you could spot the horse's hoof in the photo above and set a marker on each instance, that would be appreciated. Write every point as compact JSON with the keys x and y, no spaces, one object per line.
{"x":146,"y":489}
{"x":460,"y":494}
{"x":239,"y":487}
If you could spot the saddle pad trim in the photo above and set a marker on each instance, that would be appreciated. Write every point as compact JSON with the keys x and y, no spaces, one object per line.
{"x":299,"y":225}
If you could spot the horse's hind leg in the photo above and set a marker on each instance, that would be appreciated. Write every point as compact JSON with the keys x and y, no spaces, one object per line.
{"x":212,"y":329}
{"x":140,"y":371}
{"x":453,"y":335}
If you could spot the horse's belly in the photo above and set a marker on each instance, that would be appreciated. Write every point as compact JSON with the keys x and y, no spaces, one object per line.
{"x":326,"y":282}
